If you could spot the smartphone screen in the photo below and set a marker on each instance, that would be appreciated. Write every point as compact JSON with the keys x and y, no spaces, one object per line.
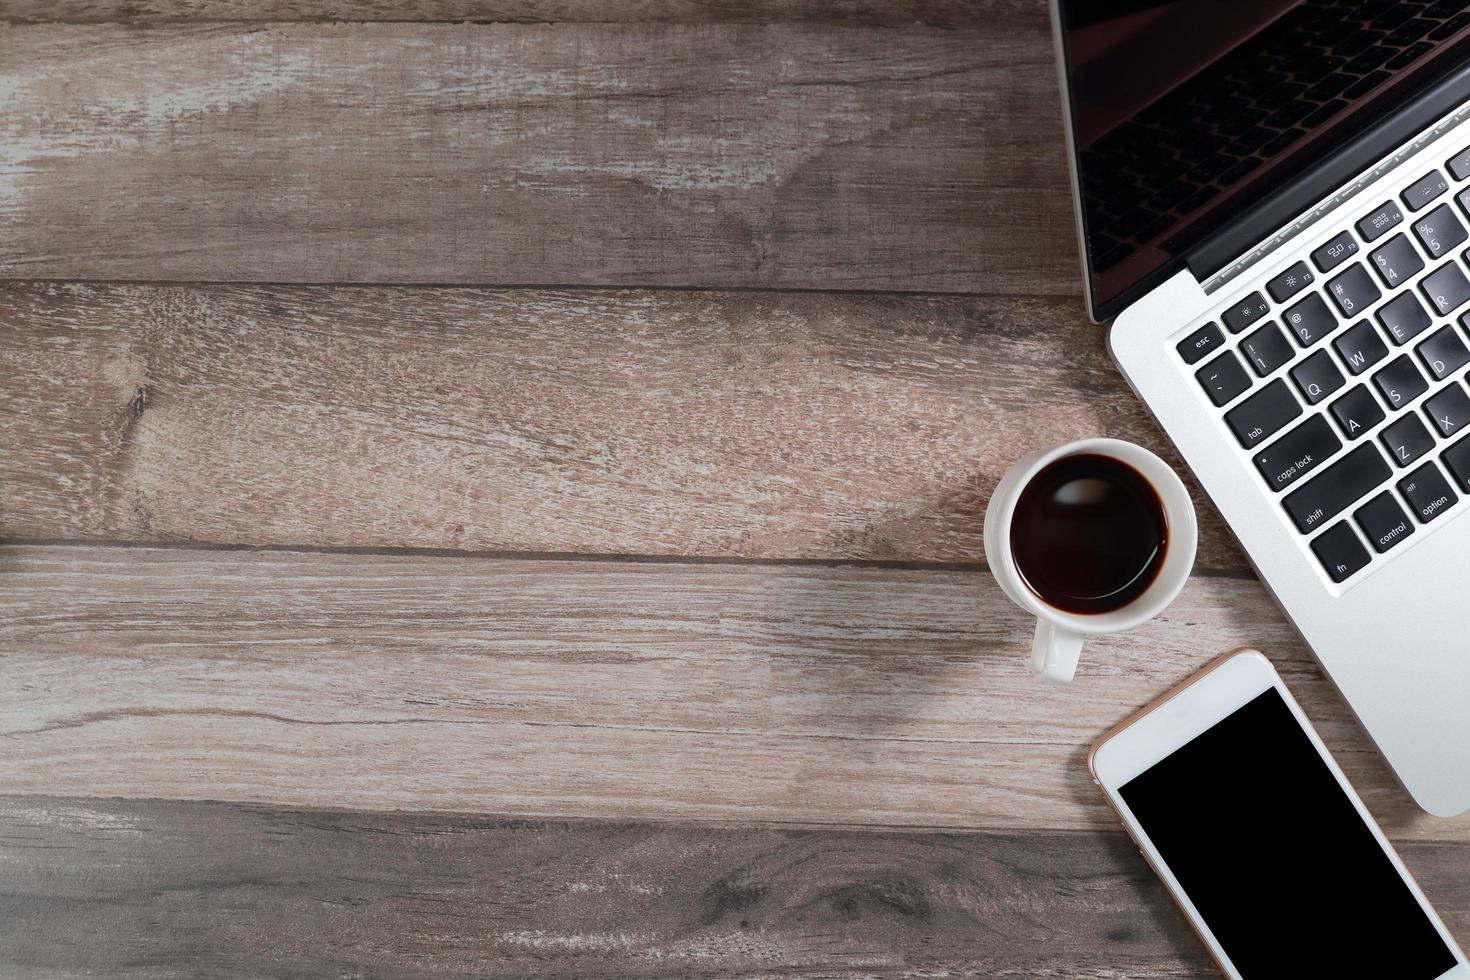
{"x":1276,"y":858}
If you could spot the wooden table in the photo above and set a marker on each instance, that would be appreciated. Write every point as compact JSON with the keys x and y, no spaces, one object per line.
{"x":495,"y":487}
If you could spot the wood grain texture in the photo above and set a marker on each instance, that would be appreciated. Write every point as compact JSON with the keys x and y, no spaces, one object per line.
{"x":721,"y":424}
{"x":178,"y":889}
{"x":668,"y":155}
{"x":150,"y":889}
{"x":940,"y":13}
{"x":676,"y":691}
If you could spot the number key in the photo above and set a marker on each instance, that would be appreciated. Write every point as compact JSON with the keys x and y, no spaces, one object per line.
{"x":1310,"y":320}
{"x":1354,"y":290}
{"x":1267,"y":349}
{"x":1396,"y":261}
{"x":1439,"y":231}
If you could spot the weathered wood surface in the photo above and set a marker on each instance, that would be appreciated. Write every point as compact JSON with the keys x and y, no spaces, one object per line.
{"x":941,"y":13}
{"x":676,"y":691}
{"x":722,"y":424}
{"x":673,"y":155}
{"x":155,"y":889}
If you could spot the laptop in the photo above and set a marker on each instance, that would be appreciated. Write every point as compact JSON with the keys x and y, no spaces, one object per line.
{"x":1273,"y":205}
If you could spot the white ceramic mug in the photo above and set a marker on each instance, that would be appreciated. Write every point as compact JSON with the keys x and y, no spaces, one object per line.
{"x":1059,"y":634}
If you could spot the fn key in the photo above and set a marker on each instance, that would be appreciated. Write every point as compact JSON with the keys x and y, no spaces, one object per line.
{"x":1340,"y":551}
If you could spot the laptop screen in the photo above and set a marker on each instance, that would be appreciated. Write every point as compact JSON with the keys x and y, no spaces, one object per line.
{"x":1187,"y":112}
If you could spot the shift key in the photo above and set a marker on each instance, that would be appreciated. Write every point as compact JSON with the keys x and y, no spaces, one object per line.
{"x":1263,"y":414}
{"x":1337,"y":488}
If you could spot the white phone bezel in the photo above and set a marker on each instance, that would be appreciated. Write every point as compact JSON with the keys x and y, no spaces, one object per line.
{"x":1187,"y":712}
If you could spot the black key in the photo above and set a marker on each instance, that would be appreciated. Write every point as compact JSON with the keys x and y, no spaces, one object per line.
{"x":1367,"y":84}
{"x":1310,"y":320}
{"x":1357,"y":412}
{"x":1457,"y":458}
{"x":1429,"y":494}
{"x":1396,"y":261}
{"x":1340,"y":552}
{"x":1406,"y":440}
{"x":1282,"y":141}
{"x":1263,"y":414}
{"x":1459,"y":164}
{"x":1254,"y":307}
{"x":1446,"y":288}
{"x":1410,"y":55}
{"x":1354,"y":290}
{"x":1439,"y":231}
{"x":1337,"y":251}
{"x":1450,"y":28}
{"x":1449,"y":410}
{"x":1223,"y":378}
{"x":1400,"y":382}
{"x":1443,"y":353}
{"x":1420,"y":194}
{"x":1267,"y":349}
{"x":1290,"y":282}
{"x":1205,"y":340}
{"x":1239,"y":170}
{"x":1337,"y":488}
{"x":1376,"y":224}
{"x":1384,"y":522}
{"x":1324,"y":112}
{"x":1317,"y":377}
{"x":1360,"y":347}
{"x":1297,"y":453}
{"x":1404,"y":318}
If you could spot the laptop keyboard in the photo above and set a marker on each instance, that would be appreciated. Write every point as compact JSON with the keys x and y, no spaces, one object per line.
{"x":1345,"y":376}
{"x":1293,"y":77}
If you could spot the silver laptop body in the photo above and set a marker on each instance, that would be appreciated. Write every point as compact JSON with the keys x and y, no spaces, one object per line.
{"x":1278,"y":225}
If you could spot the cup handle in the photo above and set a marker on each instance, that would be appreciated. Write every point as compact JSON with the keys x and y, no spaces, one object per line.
{"x":1055,"y":651}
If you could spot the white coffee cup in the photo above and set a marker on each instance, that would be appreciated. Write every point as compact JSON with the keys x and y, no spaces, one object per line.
{"x":1060,"y":633}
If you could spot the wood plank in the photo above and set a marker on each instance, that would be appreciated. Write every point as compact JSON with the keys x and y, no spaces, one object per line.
{"x":162,"y":889}
{"x":722,"y":424}
{"x":703,"y":155}
{"x":157,"y":889}
{"x":937,"y":13}
{"x":710,"y":692}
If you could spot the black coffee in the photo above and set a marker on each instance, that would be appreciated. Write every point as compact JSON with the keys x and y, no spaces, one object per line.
{"x":1089,"y":534}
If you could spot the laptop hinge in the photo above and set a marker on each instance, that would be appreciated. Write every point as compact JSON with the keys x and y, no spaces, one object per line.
{"x":1230,"y":251}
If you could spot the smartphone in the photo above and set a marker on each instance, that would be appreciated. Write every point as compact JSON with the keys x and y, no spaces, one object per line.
{"x":1232,"y":798}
